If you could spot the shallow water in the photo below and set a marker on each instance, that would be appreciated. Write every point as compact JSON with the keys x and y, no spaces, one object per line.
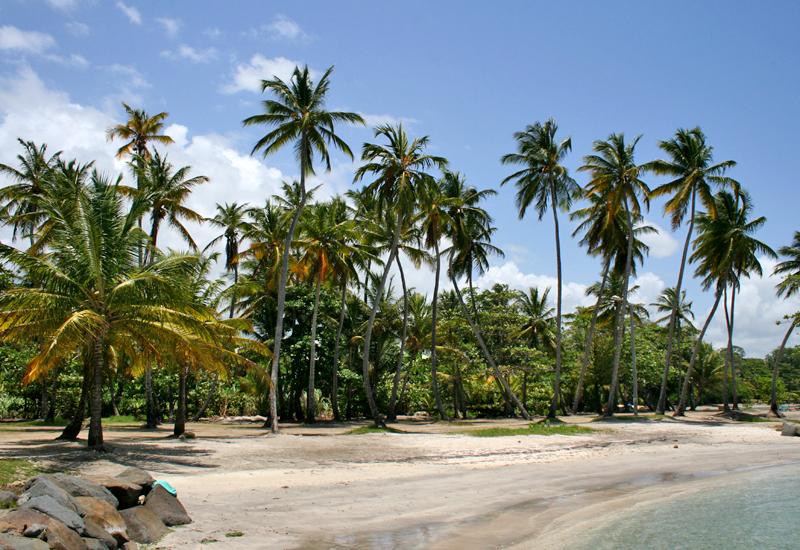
{"x":755,"y":509}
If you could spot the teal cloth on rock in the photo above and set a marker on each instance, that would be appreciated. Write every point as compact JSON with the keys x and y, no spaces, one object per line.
{"x":170,"y":489}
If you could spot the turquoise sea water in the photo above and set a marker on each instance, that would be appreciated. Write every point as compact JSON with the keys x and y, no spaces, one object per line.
{"x":758,"y":509}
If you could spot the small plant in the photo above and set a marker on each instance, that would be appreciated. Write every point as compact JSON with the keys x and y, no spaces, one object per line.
{"x":233,"y":534}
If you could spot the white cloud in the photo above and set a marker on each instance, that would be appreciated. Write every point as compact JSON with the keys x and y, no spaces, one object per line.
{"x":757,"y":312}
{"x":573,"y":294}
{"x":63,"y":5}
{"x":72,"y":60}
{"x":76,"y":28}
{"x":661,"y":243}
{"x":212,"y":32}
{"x":191,"y":54}
{"x":378,"y":119}
{"x":12,"y":38}
{"x":650,"y":288}
{"x":131,"y":13}
{"x":248,"y":76}
{"x":280,"y":28}
{"x":171,"y":26}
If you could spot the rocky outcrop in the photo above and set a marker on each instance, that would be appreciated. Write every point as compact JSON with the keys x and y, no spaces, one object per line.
{"x":790,"y":429}
{"x":100,"y":513}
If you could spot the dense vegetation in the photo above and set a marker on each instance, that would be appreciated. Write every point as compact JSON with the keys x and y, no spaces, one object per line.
{"x":307,"y":321}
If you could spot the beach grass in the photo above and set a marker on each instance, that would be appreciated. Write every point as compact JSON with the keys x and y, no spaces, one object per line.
{"x":16,"y":469}
{"x":372,"y":430}
{"x":532,"y":429}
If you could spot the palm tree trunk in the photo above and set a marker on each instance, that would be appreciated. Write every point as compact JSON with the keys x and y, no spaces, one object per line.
{"x":773,"y":401}
{"x":557,"y":380}
{"x":662,"y":396}
{"x":233,"y":290}
{"x":95,"y":440}
{"x":472,"y":294}
{"x":681,"y":410}
{"x":434,"y":310}
{"x":392,"y":416}
{"x":634,"y":374}
{"x":150,"y":405}
{"x":587,"y":348}
{"x":734,"y":390}
{"x":180,"y":410}
{"x":619,"y":322}
{"x":373,"y":407}
{"x":311,"y":404}
{"x":73,"y":429}
{"x":727,"y":367}
{"x":281,"y":305}
{"x":489,"y":359}
{"x":336,"y":352}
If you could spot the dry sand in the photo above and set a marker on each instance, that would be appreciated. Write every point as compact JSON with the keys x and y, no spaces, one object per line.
{"x":432,"y":487}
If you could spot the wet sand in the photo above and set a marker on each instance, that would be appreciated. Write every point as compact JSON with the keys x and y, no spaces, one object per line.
{"x":433,"y":486}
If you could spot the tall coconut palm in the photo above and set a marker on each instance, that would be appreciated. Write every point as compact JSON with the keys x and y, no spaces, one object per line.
{"x":138,"y":132}
{"x":328,"y":245}
{"x":789,"y":268}
{"x":691,"y":164}
{"x":298,"y":116}
{"x":166,"y":191}
{"x":20,"y":200}
{"x":724,"y":250}
{"x":543,"y":181}
{"x":232,"y":219}
{"x":610,"y":241}
{"x":668,"y":302}
{"x":538,"y":325}
{"x":469,"y":253}
{"x":400,"y":168}
{"x":615,"y":177}
{"x":92,"y":297}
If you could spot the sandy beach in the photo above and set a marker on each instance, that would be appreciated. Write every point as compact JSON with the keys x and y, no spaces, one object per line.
{"x":432,"y":486}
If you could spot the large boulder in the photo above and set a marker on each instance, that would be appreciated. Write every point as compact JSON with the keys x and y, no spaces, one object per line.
{"x":94,"y":544}
{"x":53,"y":508}
{"x":143,"y":525}
{"x":16,"y":542}
{"x":138,"y":477}
{"x":80,"y":487}
{"x":101,"y":513}
{"x":790,"y":429}
{"x":41,"y":486}
{"x":31,"y":523}
{"x":167,"y":507}
{"x":126,"y":493}
{"x":95,"y":531}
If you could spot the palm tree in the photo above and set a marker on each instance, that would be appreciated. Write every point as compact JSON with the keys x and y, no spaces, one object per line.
{"x":691,"y":165}
{"x":668,"y":302}
{"x":298,"y":116}
{"x":607,"y":240}
{"x":399,"y":168}
{"x":138,"y":132}
{"x":21,"y":199}
{"x":469,"y":253}
{"x":789,"y":286}
{"x":724,"y":250}
{"x":92,"y":297}
{"x":327,"y":245}
{"x":545,"y":182}
{"x":232,"y":219}
{"x":615,"y":177}
{"x":537,"y":329}
{"x":166,"y":190}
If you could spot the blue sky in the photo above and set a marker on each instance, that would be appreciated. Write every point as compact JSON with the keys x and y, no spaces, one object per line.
{"x":466,"y":74}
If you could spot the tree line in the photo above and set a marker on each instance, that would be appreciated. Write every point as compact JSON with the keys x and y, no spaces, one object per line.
{"x":308,"y":285}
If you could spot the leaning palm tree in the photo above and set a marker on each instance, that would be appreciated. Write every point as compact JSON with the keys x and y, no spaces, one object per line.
{"x":400,"y":169}
{"x":166,"y":191}
{"x":469,"y":253}
{"x":544,"y":182}
{"x":615,"y":177}
{"x":232,"y":219}
{"x":91,"y":297}
{"x":725,"y":250}
{"x":691,"y":164}
{"x":297,"y":116}
{"x":789,"y":286}
{"x":20,"y":200}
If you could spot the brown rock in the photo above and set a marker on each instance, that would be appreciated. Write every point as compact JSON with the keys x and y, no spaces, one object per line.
{"x":103,"y":514}
{"x":137,"y":476}
{"x":95,"y":531}
{"x":15,"y":542}
{"x":143,"y":525}
{"x":44,"y":485}
{"x":790,"y":429}
{"x":94,"y":544}
{"x":57,"y":535}
{"x":130,"y":546}
{"x":167,"y":507}
{"x":126,"y":493}
{"x":81,"y":487}
{"x":51,"y":507}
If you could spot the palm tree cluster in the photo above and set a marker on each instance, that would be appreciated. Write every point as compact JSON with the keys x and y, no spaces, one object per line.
{"x":310,"y":284}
